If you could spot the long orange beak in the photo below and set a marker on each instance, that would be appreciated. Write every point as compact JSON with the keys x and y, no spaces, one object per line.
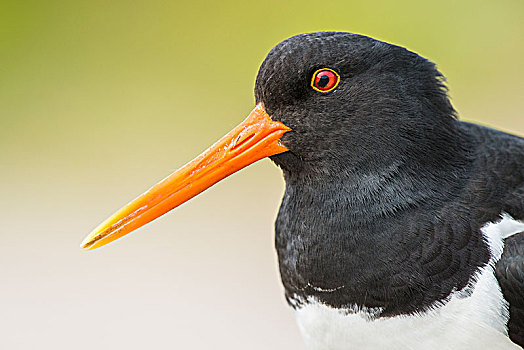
{"x":255,"y":138}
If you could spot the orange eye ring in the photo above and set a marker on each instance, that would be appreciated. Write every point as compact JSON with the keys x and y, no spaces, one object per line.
{"x":325,"y":80}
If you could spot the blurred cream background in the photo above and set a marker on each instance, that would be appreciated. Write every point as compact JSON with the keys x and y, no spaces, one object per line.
{"x":101,"y":99}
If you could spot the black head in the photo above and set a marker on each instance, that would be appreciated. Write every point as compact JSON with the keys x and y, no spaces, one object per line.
{"x":390,"y":106}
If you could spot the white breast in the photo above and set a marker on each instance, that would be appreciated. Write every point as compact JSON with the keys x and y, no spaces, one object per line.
{"x":467,"y":321}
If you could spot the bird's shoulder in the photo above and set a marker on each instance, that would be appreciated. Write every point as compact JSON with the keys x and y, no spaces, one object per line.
{"x":497,"y":174}
{"x":500,"y":170}
{"x":501,"y":151}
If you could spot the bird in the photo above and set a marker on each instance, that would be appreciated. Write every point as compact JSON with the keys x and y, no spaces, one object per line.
{"x":401,"y":226}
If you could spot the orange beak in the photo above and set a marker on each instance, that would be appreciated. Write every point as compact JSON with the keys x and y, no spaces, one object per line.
{"x":255,"y":138}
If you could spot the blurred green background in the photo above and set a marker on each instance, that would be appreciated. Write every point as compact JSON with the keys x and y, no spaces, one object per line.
{"x":100,"y":99}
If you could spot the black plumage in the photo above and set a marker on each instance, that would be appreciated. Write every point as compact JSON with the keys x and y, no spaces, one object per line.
{"x":510,"y":274}
{"x":386,"y":191}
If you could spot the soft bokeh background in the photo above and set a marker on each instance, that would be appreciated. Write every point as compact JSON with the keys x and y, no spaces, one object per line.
{"x":100,"y":99}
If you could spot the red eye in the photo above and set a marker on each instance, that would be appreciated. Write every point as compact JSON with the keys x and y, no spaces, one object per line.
{"x":325,"y":80}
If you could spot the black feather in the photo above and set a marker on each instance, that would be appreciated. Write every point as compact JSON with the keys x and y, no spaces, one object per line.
{"x":510,"y":274}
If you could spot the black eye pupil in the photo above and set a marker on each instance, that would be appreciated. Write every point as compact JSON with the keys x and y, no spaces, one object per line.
{"x":323,"y":81}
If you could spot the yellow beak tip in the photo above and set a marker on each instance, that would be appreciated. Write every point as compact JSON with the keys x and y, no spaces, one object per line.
{"x":88,"y":243}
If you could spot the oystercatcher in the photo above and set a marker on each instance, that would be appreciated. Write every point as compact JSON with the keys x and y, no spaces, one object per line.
{"x":400,"y":227}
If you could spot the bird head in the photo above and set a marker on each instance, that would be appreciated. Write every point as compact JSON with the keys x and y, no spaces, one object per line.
{"x":354,"y":103}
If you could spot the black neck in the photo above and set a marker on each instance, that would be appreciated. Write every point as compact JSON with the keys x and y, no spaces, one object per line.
{"x":363,"y":233}
{"x":387,"y":182}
